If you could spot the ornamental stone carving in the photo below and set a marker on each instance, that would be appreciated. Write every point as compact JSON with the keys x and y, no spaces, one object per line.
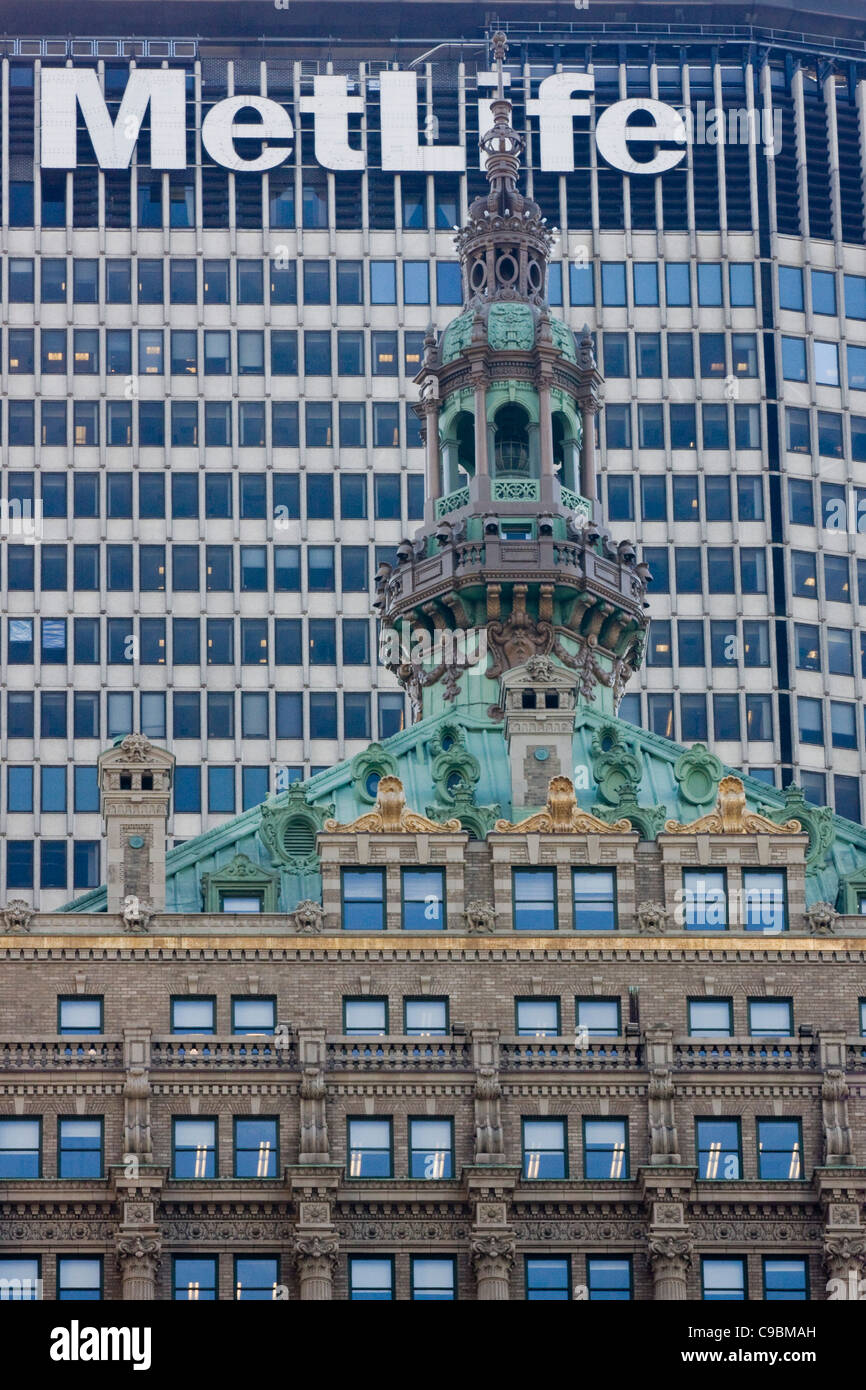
{"x":731,"y":817}
{"x":834,"y":1110}
{"x":844,"y":1253}
{"x":816,"y":821}
{"x":697,"y":772}
{"x":137,"y":748}
{"x":16,"y":916}
{"x":139,"y":1248}
{"x":821,"y":919}
{"x":308,"y":918}
{"x":316,"y":1247}
{"x":288,"y":828}
{"x":563,"y":816}
{"x":493,"y":1247}
{"x":392,"y":816}
{"x":540,"y":668}
{"x":137,"y":915}
{"x":479,"y":917}
{"x":652,"y":918}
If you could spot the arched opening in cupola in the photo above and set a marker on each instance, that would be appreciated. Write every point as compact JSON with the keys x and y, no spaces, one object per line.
{"x":511,"y":441}
{"x":465,"y":435}
{"x":566,"y":451}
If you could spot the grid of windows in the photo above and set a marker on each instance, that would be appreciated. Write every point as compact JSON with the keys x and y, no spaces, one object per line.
{"x":320,"y":353}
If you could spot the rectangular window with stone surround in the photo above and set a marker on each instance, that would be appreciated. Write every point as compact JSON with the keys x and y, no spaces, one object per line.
{"x":780,"y":1149}
{"x":81,"y":1015}
{"x":256,"y":1146}
{"x":534,"y":897}
{"x":545,"y":1149}
{"x":723,"y":1280}
{"x":371,"y":1279}
{"x":711,"y":1018}
{"x":425,"y":1018}
{"x":20,"y":1280}
{"x":79,"y":1146}
{"x":370,"y":1147}
{"x":548,"y":1280}
{"x":423,"y":899}
{"x":365,"y":1018}
{"x":194,"y":1277}
{"x":363,"y":895}
{"x":431,"y":1148}
{"x":79,"y":1277}
{"x":771,"y":1018}
{"x":764,"y":898}
{"x":785,"y":1280}
{"x":536,"y":1018}
{"x":194,"y":1014}
{"x":194,"y":1148}
{"x":719,"y":1150}
{"x":605,"y":1149}
{"x":609,"y":1281}
{"x":433,"y":1280}
{"x":598,"y":1018}
{"x":705,"y":900}
{"x":21,"y":1148}
{"x":594,"y":900}
{"x":254,"y":1016}
{"x":256,"y":1277}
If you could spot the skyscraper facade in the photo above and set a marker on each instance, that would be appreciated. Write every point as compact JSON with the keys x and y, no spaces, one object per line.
{"x":211,"y":336}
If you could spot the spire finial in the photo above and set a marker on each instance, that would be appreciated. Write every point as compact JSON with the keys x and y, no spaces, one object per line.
{"x":500,"y":49}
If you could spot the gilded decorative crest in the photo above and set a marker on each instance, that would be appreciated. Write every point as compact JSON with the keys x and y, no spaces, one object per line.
{"x":392,"y":816}
{"x":731,"y":817}
{"x":563,"y":816}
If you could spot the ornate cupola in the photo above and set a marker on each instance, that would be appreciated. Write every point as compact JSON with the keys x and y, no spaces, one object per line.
{"x":512,"y":562}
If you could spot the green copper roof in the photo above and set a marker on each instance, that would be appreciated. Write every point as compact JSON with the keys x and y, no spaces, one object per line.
{"x":456,"y":764}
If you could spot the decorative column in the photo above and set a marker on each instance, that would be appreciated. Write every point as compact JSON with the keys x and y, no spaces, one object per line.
{"x":137,"y":1241}
{"x":137,"y":1139}
{"x":428,"y":409}
{"x":834,"y":1101}
{"x":315,"y":1246}
{"x":842,"y":1195}
{"x":312,"y":1090}
{"x":665,"y":1191}
{"x":669,"y":1260}
{"x":589,"y":400}
{"x":138,"y":1254}
{"x":315,"y":1256}
{"x":664,"y":1144}
{"x":482,"y":459}
{"x":488,"y":1093}
{"x":492,"y":1259}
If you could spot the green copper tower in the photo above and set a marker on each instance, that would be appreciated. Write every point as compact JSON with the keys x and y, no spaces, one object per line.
{"x":512,"y":601}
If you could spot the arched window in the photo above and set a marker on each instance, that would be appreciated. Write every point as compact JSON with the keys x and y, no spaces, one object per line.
{"x":466,"y":442}
{"x":512,"y":441}
{"x":566,"y":455}
{"x":558,"y":440}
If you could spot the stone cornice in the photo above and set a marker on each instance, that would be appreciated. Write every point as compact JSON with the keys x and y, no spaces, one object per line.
{"x":211,"y":944}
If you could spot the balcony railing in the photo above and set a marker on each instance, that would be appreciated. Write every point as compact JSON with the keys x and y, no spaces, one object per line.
{"x":733,"y":1054}
{"x":397,"y":1053}
{"x":535,"y":1054}
{"x":230,"y":1051}
{"x":44,"y":1054}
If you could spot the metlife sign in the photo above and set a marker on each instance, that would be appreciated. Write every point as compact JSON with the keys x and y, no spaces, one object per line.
{"x":563,"y":99}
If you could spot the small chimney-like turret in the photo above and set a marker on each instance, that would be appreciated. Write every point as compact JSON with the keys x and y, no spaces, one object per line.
{"x":134,"y":789}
